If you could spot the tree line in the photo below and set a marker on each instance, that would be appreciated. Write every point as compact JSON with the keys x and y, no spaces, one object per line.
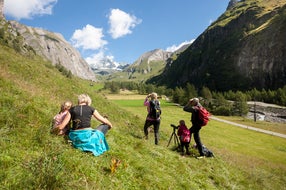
{"x":219,"y":103}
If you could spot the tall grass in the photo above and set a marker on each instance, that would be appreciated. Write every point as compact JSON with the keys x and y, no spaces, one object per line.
{"x":31,"y":91}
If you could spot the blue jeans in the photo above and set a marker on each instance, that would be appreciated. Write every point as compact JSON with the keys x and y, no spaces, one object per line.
{"x":103,"y":128}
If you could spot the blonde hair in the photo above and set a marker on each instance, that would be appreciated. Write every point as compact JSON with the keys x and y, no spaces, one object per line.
{"x":153,"y":95}
{"x":195,"y":100}
{"x":84,"y":98}
{"x":66,"y":105}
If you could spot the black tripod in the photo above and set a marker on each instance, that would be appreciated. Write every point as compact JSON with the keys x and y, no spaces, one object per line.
{"x":174,"y":135}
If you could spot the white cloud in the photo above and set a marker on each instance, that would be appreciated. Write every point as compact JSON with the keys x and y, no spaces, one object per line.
{"x":88,"y":38}
{"x":95,"y":59}
{"x":100,"y":60}
{"x":121,"y":23}
{"x":176,"y":47}
{"x":20,"y":9}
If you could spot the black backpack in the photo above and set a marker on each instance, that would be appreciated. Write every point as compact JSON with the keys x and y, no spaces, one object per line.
{"x":155,"y":110}
{"x":207,"y":152}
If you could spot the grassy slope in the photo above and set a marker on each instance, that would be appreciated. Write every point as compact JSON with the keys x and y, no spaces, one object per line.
{"x":242,"y":6}
{"x":31,"y":158}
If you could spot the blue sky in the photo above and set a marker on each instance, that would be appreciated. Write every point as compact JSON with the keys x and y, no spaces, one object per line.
{"x":121,"y":30}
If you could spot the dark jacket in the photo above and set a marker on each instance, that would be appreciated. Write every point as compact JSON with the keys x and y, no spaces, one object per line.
{"x":195,"y":113}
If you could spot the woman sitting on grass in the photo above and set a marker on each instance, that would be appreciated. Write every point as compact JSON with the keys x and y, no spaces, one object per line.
{"x":82,"y":135}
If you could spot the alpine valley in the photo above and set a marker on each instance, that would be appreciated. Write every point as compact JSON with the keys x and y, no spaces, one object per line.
{"x":244,"y":48}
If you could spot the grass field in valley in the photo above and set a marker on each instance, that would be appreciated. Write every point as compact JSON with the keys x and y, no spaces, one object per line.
{"x":32,"y":158}
{"x":257,"y":158}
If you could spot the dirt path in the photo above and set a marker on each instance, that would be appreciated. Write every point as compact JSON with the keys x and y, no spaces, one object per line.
{"x":251,"y":128}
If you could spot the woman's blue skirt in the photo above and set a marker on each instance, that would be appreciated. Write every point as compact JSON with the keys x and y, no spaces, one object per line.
{"x":89,"y":140}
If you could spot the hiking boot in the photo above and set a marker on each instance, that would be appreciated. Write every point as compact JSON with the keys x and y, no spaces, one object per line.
{"x":156,"y":141}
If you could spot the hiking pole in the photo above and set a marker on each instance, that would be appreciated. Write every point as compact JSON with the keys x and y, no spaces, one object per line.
{"x":174,"y":135}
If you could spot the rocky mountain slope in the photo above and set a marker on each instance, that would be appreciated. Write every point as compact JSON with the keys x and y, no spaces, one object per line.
{"x":149,"y":64}
{"x":142,"y":64}
{"x":51,"y":46}
{"x":245,"y":48}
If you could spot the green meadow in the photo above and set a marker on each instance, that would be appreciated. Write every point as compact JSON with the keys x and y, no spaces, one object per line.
{"x":31,"y":91}
{"x":247,"y":152}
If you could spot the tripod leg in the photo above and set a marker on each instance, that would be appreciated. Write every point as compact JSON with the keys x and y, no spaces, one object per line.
{"x":170,"y":139}
{"x":175,"y":139}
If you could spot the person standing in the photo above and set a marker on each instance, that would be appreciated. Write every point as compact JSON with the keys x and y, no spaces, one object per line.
{"x":192,"y":106}
{"x":153,"y":116}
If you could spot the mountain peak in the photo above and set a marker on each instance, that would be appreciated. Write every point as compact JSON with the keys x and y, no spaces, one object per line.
{"x":153,"y":55}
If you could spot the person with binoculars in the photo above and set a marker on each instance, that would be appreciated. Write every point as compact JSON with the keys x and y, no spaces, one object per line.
{"x":153,"y":116}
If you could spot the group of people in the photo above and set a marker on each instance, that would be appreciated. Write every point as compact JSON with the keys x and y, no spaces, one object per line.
{"x":191,"y":107}
{"x":75,"y":121}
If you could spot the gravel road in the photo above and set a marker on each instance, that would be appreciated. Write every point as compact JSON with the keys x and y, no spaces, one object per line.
{"x":249,"y":127}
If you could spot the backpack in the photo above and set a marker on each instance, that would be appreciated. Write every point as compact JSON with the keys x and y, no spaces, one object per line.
{"x":207,"y":152}
{"x":155,"y":110}
{"x":204,"y":116}
{"x":186,"y":135}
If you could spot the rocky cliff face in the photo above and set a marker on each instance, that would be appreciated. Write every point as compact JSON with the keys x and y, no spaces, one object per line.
{"x":53,"y":47}
{"x":262,"y":54}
